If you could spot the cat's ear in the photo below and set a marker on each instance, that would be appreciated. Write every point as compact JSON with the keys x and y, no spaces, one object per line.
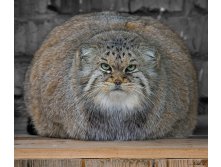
{"x":87,"y":53}
{"x":84,"y":54}
{"x":87,"y":50}
{"x":150,"y":55}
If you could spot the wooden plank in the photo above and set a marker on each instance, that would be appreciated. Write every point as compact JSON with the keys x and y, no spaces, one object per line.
{"x":50,"y":148}
{"x":118,"y":163}
{"x":48,"y":163}
{"x":181,"y":163}
{"x":145,"y":163}
{"x":112,"y":163}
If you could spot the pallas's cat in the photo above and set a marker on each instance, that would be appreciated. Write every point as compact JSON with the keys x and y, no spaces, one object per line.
{"x":106,"y":76}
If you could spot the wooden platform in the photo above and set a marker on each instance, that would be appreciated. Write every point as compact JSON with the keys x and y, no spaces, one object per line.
{"x":33,"y":151}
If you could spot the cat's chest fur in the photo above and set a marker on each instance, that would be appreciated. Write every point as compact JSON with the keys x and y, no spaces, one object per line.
{"x":116,"y":117}
{"x":116,"y":125}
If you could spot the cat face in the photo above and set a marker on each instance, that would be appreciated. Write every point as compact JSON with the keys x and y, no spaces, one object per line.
{"x":118,"y":72}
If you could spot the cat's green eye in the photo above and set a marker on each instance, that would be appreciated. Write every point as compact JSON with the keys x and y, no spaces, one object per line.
{"x":131,"y":68}
{"x":105,"y":67}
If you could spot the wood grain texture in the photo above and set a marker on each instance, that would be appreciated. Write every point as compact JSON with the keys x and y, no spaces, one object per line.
{"x":118,"y":163}
{"x":50,"y":148}
{"x":146,"y":163}
{"x":112,"y":163}
{"x":181,"y":163}
{"x":48,"y":163}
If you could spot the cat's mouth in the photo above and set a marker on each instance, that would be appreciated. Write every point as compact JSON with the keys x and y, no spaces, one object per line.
{"x":117,"y":88}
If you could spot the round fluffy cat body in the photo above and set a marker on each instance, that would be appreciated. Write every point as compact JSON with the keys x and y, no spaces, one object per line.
{"x":106,"y":76}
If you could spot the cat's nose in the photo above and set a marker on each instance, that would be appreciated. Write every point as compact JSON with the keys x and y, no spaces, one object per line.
{"x":117,"y":82}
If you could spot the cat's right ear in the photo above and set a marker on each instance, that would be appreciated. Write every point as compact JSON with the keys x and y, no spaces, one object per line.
{"x":86,"y":51}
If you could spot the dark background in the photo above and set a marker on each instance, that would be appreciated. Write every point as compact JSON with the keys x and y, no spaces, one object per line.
{"x":34,"y":19}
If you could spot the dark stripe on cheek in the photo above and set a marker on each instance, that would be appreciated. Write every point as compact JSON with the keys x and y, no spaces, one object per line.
{"x":93,"y":80}
{"x":142,"y":84}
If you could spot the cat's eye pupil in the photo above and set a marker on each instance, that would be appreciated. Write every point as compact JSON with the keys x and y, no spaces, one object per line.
{"x":105,"y":67}
{"x":130,"y":67}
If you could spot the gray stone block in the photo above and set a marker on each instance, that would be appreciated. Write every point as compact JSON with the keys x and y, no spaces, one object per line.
{"x":21,"y":64}
{"x":203,"y":4}
{"x":188,"y":7}
{"x":115,"y":5}
{"x":202,"y":71}
{"x":30,"y":7}
{"x":65,"y":6}
{"x":122,"y":6}
{"x":195,"y":7}
{"x":168,"y":5}
{"x":84,"y":6}
{"x":194,"y":31}
{"x":20,"y":36}
{"x":198,"y":32}
{"x":104,"y":5}
{"x":96,"y":5}
{"x":30,"y":33}
{"x":20,"y":125}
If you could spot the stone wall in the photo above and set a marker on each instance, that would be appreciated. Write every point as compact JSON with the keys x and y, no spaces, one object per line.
{"x":35,"y":19}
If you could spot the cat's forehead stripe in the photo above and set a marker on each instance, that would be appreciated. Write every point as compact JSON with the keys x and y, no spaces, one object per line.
{"x":119,"y":43}
{"x":118,"y":47}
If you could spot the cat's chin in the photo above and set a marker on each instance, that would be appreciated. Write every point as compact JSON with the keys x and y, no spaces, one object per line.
{"x":117,"y":93}
{"x":118,"y":100}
